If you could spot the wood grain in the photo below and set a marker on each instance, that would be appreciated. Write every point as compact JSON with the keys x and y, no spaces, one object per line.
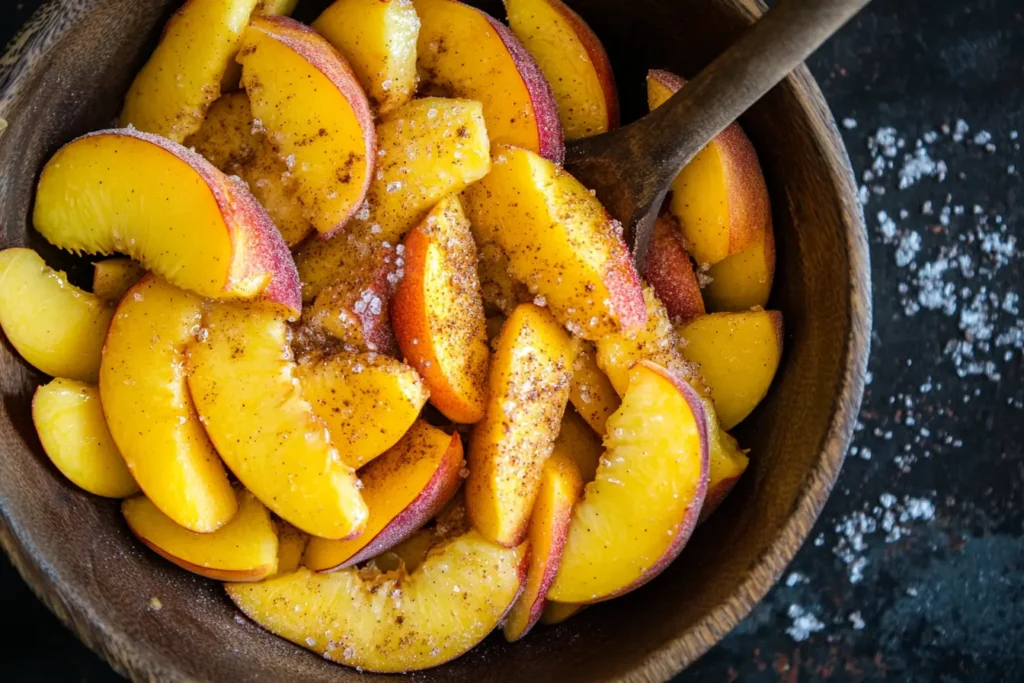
{"x":80,"y":559}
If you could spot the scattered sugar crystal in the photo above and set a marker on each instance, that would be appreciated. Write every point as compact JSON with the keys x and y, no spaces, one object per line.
{"x":804,"y":623}
{"x":849,"y":123}
{"x":856,"y":621}
{"x":794,"y":578}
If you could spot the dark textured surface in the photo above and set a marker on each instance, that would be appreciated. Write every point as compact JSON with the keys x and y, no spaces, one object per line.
{"x":944,"y":600}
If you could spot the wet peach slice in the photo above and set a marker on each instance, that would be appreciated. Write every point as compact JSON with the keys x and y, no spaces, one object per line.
{"x":112,"y":277}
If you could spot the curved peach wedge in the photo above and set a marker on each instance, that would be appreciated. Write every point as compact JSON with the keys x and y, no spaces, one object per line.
{"x":149,"y":410}
{"x":639,"y":512}
{"x":744,"y":280}
{"x":316,"y":115}
{"x":669,"y":271}
{"x":171,"y":93}
{"x":368,"y":401}
{"x":726,"y":463}
{"x":500,"y":291}
{"x":720,"y":197}
{"x":560,"y":242}
{"x":560,"y":488}
{"x":245,"y":388}
{"x":378,"y":38}
{"x":112,"y":277}
{"x":403,"y":489}
{"x":573,"y":61}
{"x":244,"y":549}
{"x":529,"y":388}
{"x":591,"y":392}
{"x":397,"y":621}
{"x":55,"y":326}
{"x":170,"y":210}
{"x":291,"y":544}
{"x":427,"y":149}
{"x":438,"y":313}
{"x":580,"y":444}
{"x":69,"y":420}
{"x":465,"y":52}
{"x":738,"y":354}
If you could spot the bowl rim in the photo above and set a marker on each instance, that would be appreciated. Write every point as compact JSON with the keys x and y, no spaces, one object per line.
{"x":50,"y":24}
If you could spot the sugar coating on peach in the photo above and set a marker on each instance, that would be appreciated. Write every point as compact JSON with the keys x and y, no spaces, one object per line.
{"x":639,"y":512}
{"x":170,"y":210}
{"x":438,"y":313}
{"x":669,"y":271}
{"x":403,"y":489}
{"x":396,"y":621}
{"x":591,"y":392}
{"x":316,"y":115}
{"x":55,"y":326}
{"x":500,"y":291}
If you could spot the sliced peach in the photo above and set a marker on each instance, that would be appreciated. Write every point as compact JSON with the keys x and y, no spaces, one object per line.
{"x":230,"y":141}
{"x":529,"y":387}
{"x":592,"y":393}
{"x":378,"y":38}
{"x":55,"y":326}
{"x":743,"y":280}
{"x":245,"y":388}
{"x":635,"y":518}
{"x":170,"y":210}
{"x":720,"y":198}
{"x":398,"y":621}
{"x":465,"y":52}
{"x":560,"y":488}
{"x":738,"y":354}
{"x":560,"y":242}
{"x":69,"y":419}
{"x":307,"y":97}
{"x":410,"y":553}
{"x":244,"y":549}
{"x":557,"y":612}
{"x":726,"y":464}
{"x":428,"y":149}
{"x":367,"y":401}
{"x":669,"y":271}
{"x":580,"y":444}
{"x":149,"y":410}
{"x":112,"y":277}
{"x":501,"y":292}
{"x":278,"y":7}
{"x":172,"y":92}
{"x":355,"y":308}
{"x":438,"y":313}
{"x":291,"y":544}
{"x":403,"y":489}
{"x":574,"y":62}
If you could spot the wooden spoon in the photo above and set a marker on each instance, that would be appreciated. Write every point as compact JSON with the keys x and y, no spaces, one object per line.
{"x":631,"y":168}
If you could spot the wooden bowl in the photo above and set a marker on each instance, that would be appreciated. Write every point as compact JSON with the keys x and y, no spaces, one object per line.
{"x":66,"y":75}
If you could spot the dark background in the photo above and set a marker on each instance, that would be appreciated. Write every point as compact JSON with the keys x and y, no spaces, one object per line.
{"x":915,"y":570}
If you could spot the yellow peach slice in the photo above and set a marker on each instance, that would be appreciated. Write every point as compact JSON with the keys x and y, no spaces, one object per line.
{"x":500,"y":291}
{"x":305,"y":94}
{"x":560,"y":488}
{"x":244,"y":549}
{"x":720,"y":197}
{"x":529,"y":388}
{"x":727,"y":462}
{"x":112,"y":277}
{"x":669,"y":271}
{"x":591,"y":392}
{"x":291,"y":544}
{"x":149,"y":410}
{"x":574,"y":62}
{"x":744,"y":280}
{"x":172,"y":92}
{"x":410,"y":553}
{"x":69,"y":420}
{"x":738,"y":354}
{"x":378,"y":38}
{"x":580,"y":444}
{"x":639,"y":512}
{"x":245,"y":388}
{"x":465,"y":52}
{"x":368,"y":401}
{"x":427,"y":149}
{"x":398,"y":621}
{"x":560,"y":242}
{"x":55,"y":326}
{"x":557,"y":612}
{"x":403,"y":489}
{"x":170,"y":210}
{"x":438,"y":313}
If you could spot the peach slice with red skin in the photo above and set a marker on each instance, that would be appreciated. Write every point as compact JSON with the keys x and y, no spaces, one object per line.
{"x":464,"y":52}
{"x":574,"y":62}
{"x":560,"y":488}
{"x":170,"y":210}
{"x":529,"y":388}
{"x":403,"y":489}
{"x":639,"y":512}
{"x":396,"y":621}
{"x":668,"y":269}
{"x":438,"y":313}
{"x":316,"y":115}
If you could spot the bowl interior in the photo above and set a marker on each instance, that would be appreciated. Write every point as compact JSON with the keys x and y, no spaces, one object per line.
{"x":78,"y":555}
